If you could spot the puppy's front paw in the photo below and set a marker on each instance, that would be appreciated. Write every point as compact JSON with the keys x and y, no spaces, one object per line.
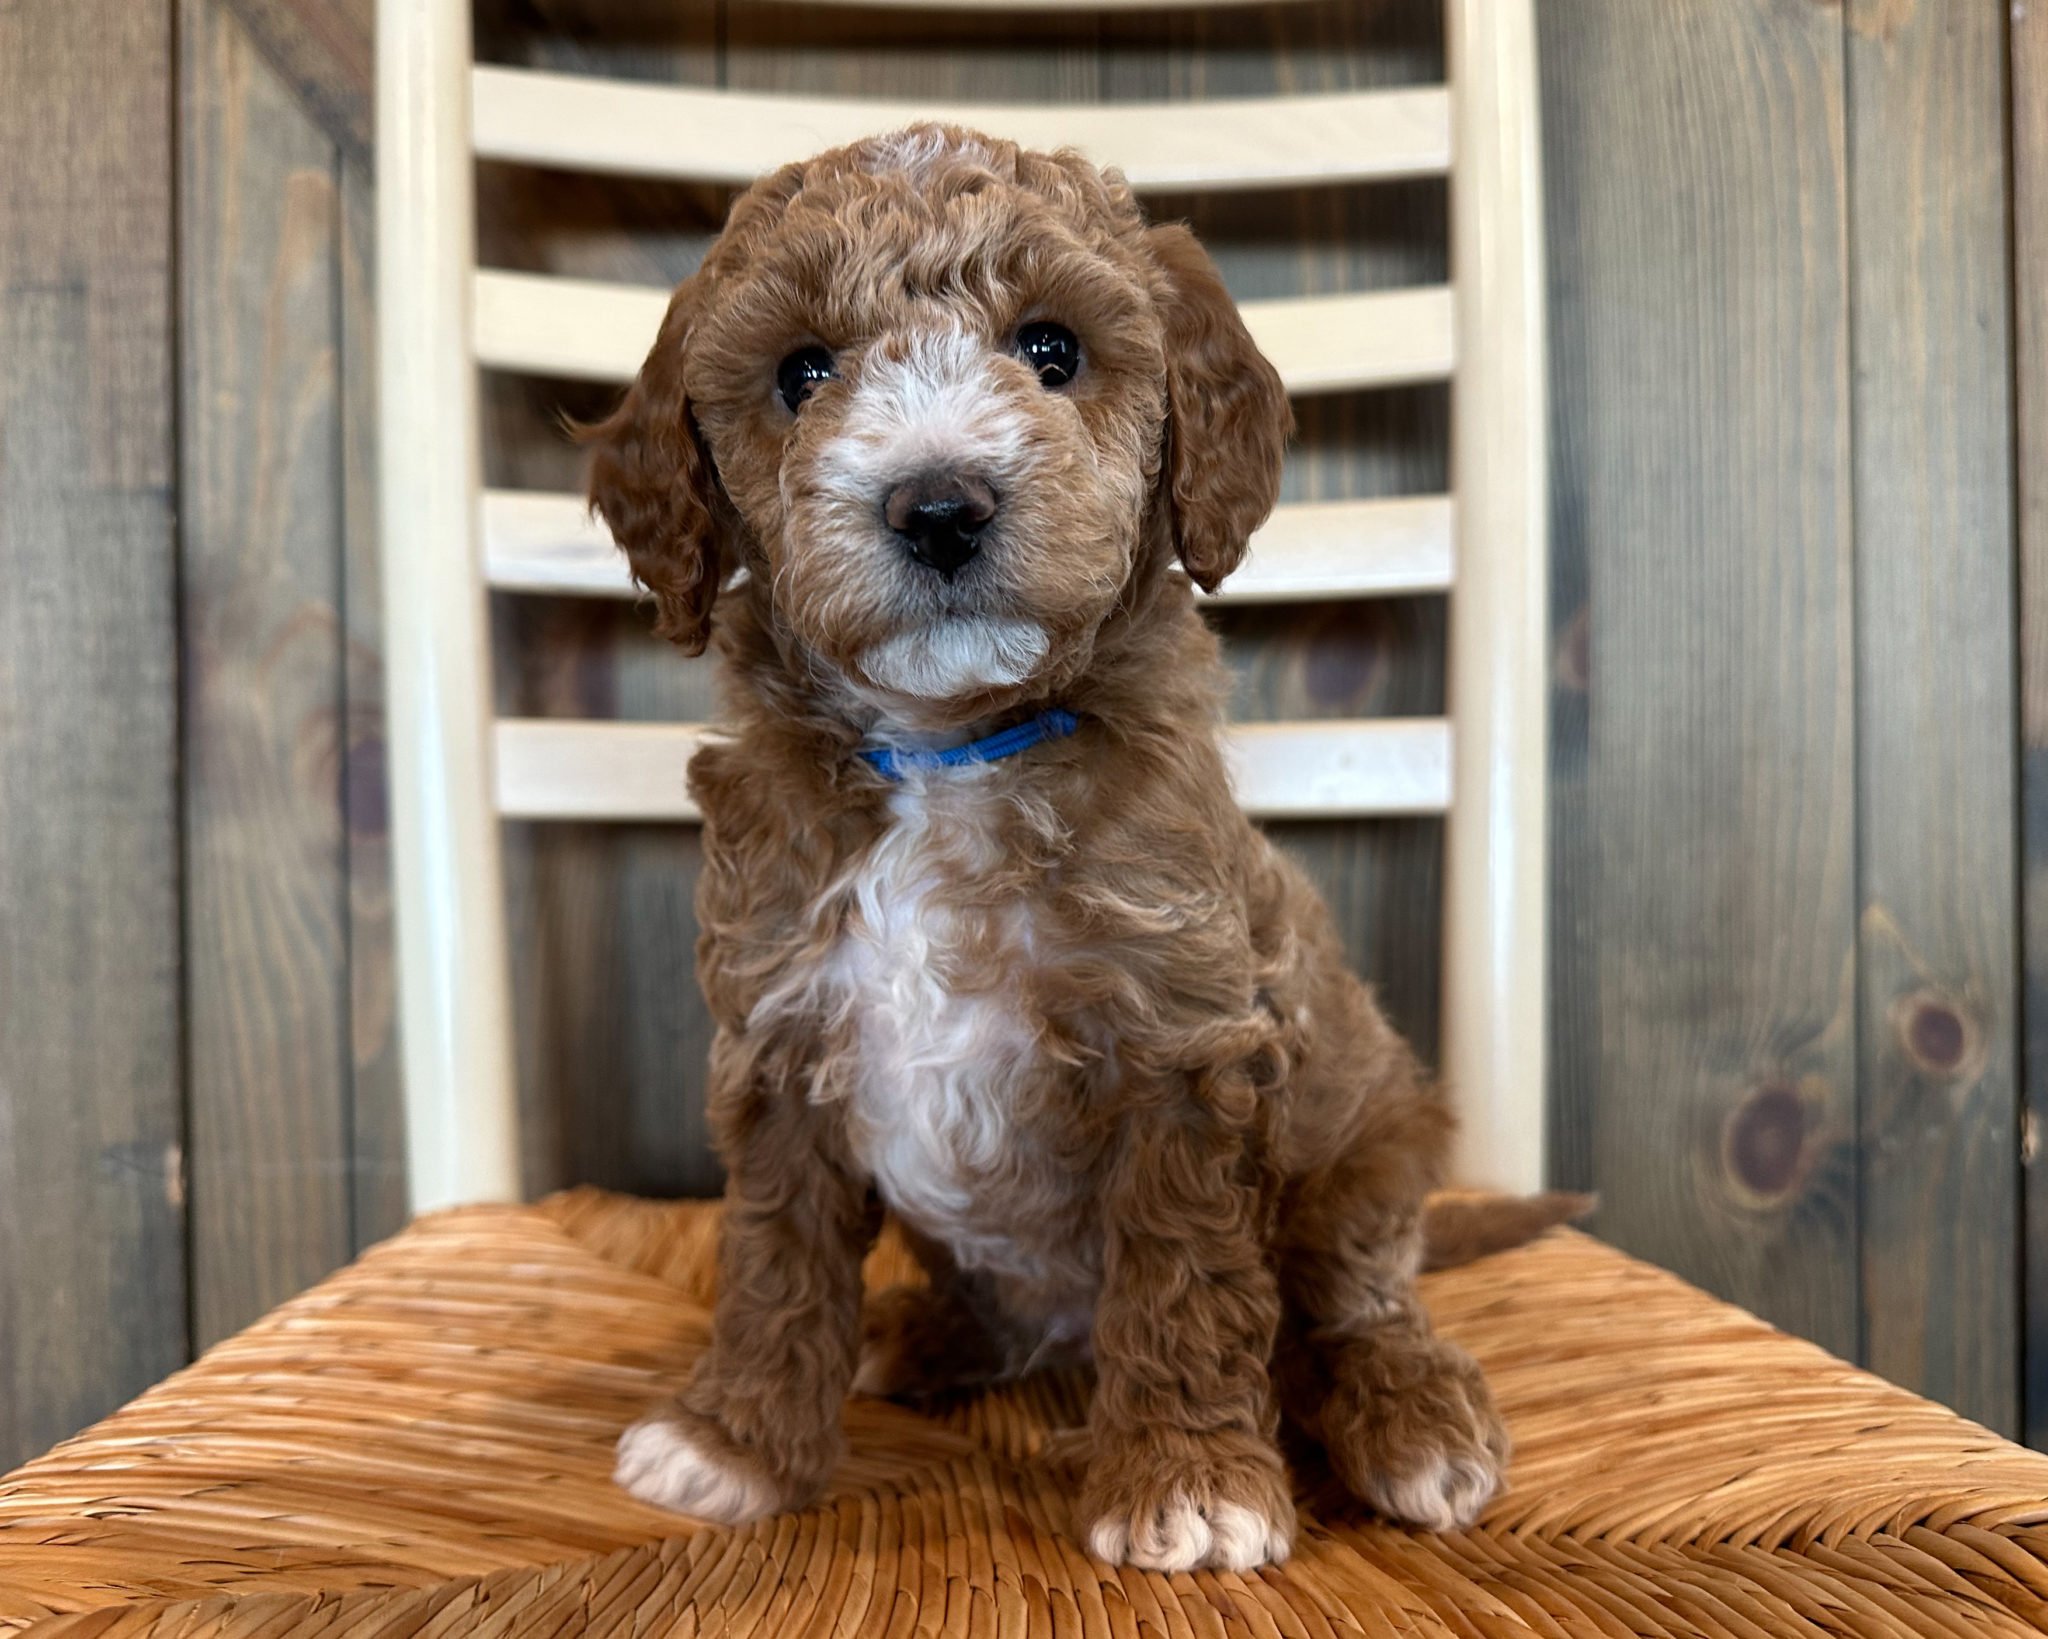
{"x":1219,"y":1503}
{"x":1411,"y":1428}
{"x":678,"y":1460}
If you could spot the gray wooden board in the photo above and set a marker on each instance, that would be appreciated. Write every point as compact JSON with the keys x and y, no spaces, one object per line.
{"x":325,"y":52}
{"x":1697,"y":230}
{"x":264,"y":730}
{"x":1932,"y":405}
{"x":92,"y":1219}
{"x":376,"y":1109}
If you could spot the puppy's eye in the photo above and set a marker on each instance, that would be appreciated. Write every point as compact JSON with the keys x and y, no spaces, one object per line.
{"x":1052,"y":350}
{"x":797,"y":376}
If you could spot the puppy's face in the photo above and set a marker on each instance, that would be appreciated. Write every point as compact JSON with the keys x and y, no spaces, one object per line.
{"x":944,"y":400}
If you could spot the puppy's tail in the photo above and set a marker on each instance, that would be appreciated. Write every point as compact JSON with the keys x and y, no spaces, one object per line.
{"x":1458,"y":1228}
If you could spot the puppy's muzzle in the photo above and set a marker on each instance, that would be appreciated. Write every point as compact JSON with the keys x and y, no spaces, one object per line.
{"x":939,"y":519}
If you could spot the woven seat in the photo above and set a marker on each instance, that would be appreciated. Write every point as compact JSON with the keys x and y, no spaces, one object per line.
{"x":422,"y":1445}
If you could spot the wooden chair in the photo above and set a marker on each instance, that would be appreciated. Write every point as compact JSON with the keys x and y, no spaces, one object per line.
{"x":421,"y":1444}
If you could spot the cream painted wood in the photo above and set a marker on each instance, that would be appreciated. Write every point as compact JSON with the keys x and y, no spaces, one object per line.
{"x":1377,"y":338}
{"x":1316,"y":551}
{"x":540,"y":542}
{"x":546,"y":541}
{"x":551,"y":769}
{"x":595,"y":331}
{"x":554,"y":769}
{"x":461,"y":1110}
{"x":588,"y":124}
{"x":1494,"y":997}
{"x":1341,"y":768}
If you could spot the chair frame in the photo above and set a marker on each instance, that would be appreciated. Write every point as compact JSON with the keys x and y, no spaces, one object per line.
{"x":456,"y":771}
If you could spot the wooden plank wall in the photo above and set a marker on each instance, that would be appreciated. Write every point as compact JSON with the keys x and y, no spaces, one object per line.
{"x":1707,"y":878}
{"x":1785,"y":967}
{"x":1930,"y":400}
{"x":1800,"y":414}
{"x":92,"y":1179}
{"x":291,"y":1102}
{"x":266,"y":884}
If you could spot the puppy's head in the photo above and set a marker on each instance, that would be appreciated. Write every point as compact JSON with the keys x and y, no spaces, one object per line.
{"x":945,"y":400}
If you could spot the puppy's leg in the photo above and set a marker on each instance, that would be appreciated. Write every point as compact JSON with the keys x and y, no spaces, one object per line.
{"x":757,"y":1428}
{"x":1184,"y":1470}
{"x":1405,"y":1415}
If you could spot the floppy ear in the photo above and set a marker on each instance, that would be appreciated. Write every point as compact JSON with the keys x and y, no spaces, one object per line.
{"x":1227,"y":415}
{"x":652,"y":480}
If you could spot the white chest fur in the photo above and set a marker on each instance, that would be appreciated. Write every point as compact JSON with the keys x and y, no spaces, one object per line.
{"x":930,"y":993}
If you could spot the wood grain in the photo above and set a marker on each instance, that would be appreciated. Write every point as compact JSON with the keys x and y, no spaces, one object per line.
{"x":1574,"y":1001}
{"x":1939,"y":1106}
{"x":92,"y":1266}
{"x":376,"y":1102}
{"x":264,"y":730}
{"x":324,"y":51}
{"x":1697,"y":233}
{"x":2029,"y":106}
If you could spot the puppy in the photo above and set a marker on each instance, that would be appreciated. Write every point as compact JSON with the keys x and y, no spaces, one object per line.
{"x":945,"y":431}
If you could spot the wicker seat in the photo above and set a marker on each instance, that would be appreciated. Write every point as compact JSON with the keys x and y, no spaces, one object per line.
{"x":423,"y":1445}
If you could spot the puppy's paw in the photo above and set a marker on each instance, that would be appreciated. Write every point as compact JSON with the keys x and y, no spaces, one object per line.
{"x":1223,"y":1504}
{"x":1186,"y":1532}
{"x":1411,"y":1428}
{"x":677,"y":1460}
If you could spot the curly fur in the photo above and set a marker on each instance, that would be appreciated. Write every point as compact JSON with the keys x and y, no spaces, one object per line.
{"x":1068,"y":1015}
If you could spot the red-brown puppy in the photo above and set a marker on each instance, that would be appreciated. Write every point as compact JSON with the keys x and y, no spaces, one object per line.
{"x":933,"y":426}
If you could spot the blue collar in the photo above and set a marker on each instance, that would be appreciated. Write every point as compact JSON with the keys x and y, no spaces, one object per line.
{"x":892,"y":763}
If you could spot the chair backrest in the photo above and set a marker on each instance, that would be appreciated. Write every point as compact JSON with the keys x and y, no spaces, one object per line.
{"x":456,"y":770}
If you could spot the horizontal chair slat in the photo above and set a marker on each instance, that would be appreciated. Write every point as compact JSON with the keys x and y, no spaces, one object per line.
{"x":540,"y":542}
{"x":594,"y":331}
{"x":1341,"y":769}
{"x":625,"y":127}
{"x":562,"y":770}
{"x":1324,"y":550}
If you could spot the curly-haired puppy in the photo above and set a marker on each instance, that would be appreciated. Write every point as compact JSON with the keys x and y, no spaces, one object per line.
{"x":937,"y":426}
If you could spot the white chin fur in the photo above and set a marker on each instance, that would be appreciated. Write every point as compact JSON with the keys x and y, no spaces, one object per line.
{"x":660,"y":1464}
{"x":1228,"y":1536}
{"x":965,"y":655}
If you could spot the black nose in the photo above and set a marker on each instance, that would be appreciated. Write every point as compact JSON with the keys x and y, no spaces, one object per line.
{"x":940,"y":520}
